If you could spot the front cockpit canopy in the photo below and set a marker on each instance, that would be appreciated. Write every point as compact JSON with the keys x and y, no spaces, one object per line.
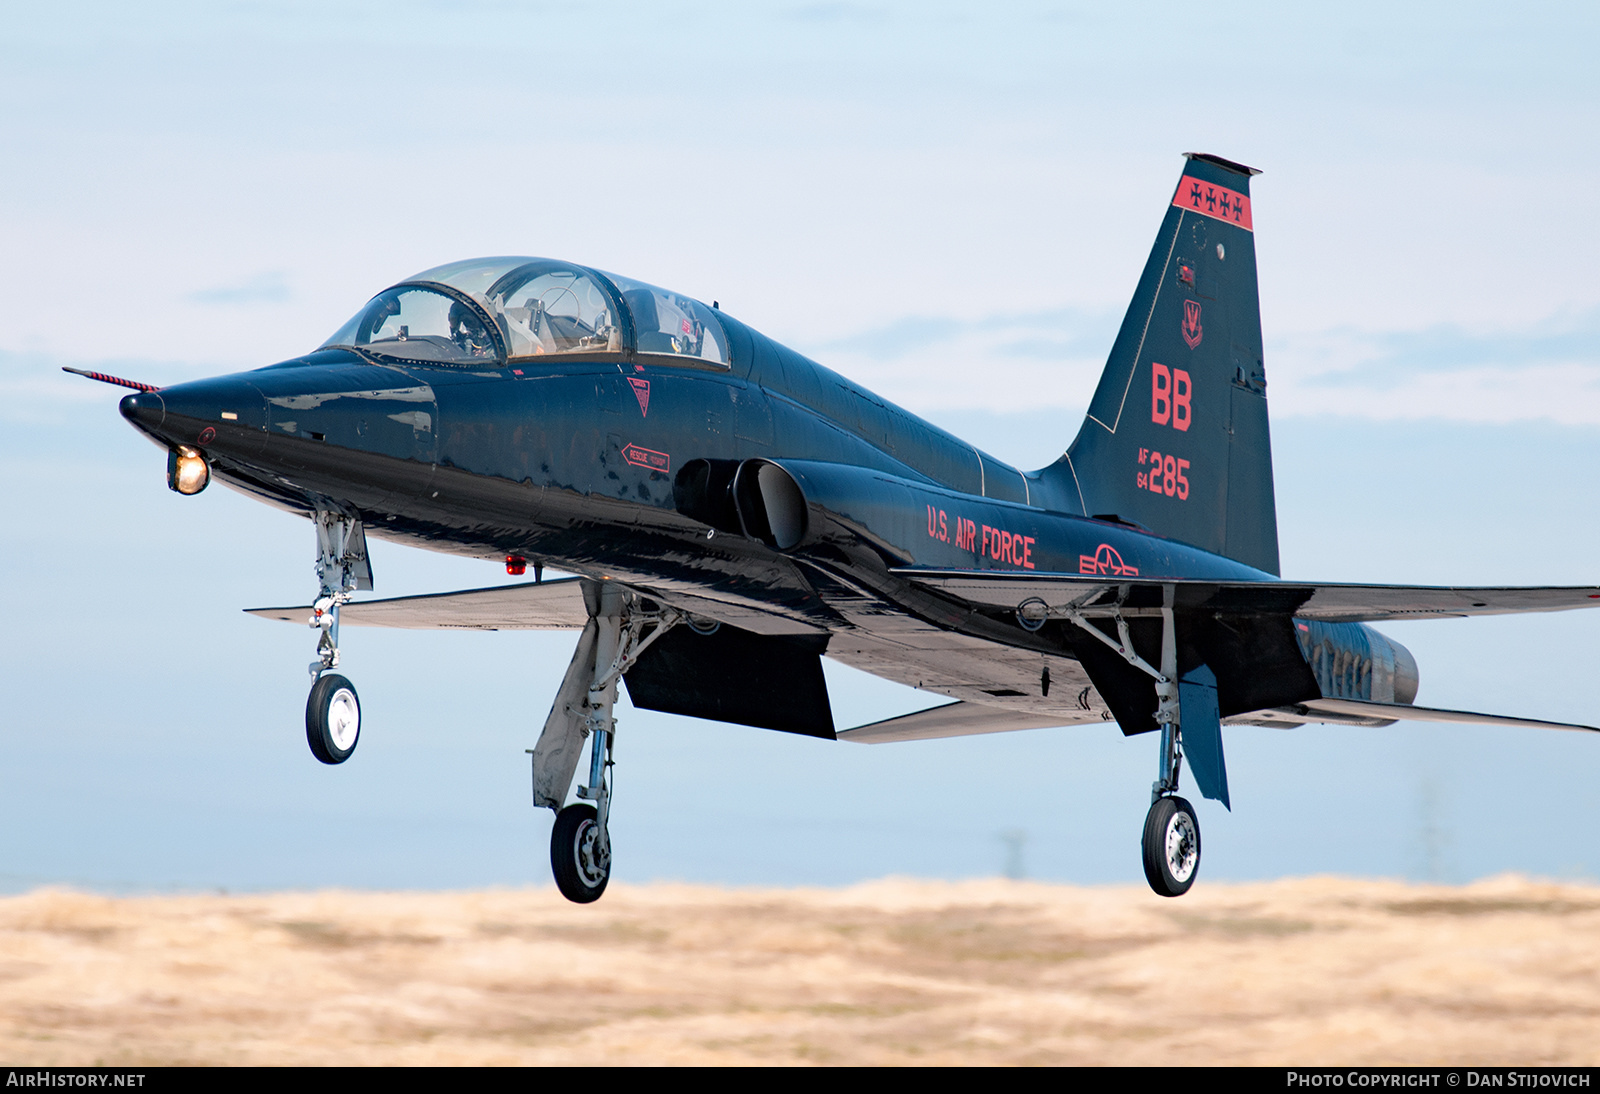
{"x":490,"y":310}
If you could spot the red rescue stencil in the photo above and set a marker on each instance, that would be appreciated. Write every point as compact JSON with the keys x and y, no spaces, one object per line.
{"x":647,"y":457}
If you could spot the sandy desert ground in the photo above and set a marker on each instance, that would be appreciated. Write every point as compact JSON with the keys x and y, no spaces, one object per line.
{"x":1319,"y":970}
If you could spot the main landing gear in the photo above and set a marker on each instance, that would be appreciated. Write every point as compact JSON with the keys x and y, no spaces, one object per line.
{"x":1171,"y":842}
{"x":333,"y":711}
{"x":618,"y":631}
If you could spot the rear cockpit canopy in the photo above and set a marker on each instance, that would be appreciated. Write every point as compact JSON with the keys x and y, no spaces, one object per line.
{"x":487,"y":311}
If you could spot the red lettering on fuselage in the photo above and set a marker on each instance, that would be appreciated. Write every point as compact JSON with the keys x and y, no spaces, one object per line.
{"x":647,"y":457}
{"x":1008,"y":547}
{"x":997,"y":543}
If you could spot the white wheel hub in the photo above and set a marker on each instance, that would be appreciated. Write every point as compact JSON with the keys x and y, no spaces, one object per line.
{"x":1182,"y":846}
{"x":593,"y":855}
{"x":344,"y":719}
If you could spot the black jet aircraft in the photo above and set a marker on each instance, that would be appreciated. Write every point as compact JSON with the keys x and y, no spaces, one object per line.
{"x":735,"y":511}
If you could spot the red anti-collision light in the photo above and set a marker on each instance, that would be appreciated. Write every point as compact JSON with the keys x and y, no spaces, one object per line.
{"x":516,"y":565}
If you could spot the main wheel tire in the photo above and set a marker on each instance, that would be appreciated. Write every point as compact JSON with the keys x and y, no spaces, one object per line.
{"x":580,"y":854}
{"x":333,"y":718}
{"x":1171,"y":846}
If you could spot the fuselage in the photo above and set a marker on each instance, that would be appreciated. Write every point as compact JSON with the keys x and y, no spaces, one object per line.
{"x":575,"y":463}
{"x":615,"y":462}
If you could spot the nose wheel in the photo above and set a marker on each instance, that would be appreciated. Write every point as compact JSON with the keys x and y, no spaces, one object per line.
{"x":1171,"y":846}
{"x":333,"y":718}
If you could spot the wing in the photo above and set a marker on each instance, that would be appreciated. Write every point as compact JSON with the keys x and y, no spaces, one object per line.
{"x":1360,"y":712}
{"x":1330,"y":603}
{"x":967,"y":719}
{"x":1362,"y":709}
{"x":532,"y":605}
{"x":556,"y":604}
{"x":956,"y":720}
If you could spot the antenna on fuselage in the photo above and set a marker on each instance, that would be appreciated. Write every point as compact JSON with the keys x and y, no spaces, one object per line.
{"x":105,"y":379}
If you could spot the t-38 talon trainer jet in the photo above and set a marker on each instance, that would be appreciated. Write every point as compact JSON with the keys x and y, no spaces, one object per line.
{"x":735,"y":511}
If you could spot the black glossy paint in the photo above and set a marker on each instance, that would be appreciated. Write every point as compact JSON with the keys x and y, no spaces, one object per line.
{"x":623,"y":466}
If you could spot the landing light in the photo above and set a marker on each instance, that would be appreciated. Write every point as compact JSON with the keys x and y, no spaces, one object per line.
{"x":187,"y":471}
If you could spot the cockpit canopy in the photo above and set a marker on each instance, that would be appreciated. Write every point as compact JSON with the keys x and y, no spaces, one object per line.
{"x":489,"y":310}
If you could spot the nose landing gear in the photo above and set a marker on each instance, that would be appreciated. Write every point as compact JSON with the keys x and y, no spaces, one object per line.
{"x":333,"y":711}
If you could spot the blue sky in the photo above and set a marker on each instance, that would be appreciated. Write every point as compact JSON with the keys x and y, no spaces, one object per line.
{"x":949,"y":204}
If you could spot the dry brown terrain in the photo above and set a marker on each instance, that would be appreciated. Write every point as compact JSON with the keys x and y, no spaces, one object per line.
{"x":1318,"y":970}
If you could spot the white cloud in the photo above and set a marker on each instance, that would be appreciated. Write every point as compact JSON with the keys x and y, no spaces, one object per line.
{"x":1565,"y":393}
{"x":268,"y":287}
{"x":995,"y":363}
{"x":1545,"y":371}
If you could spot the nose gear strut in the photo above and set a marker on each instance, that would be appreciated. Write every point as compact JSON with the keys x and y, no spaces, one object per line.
{"x":333,"y":712}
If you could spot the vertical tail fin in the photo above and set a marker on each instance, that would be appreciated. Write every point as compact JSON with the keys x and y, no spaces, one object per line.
{"x":1176,"y":439}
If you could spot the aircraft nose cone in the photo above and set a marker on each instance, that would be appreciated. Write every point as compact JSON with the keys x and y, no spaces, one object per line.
{"x":144,"y":410}
{"x":224,"y":416}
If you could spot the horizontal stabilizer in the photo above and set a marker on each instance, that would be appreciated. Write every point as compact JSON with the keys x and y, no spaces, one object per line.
{"x":1330,"y":603}
{"x":1361,"y":709}
{"x":531,"y":605}
{"x":949,"y":720}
